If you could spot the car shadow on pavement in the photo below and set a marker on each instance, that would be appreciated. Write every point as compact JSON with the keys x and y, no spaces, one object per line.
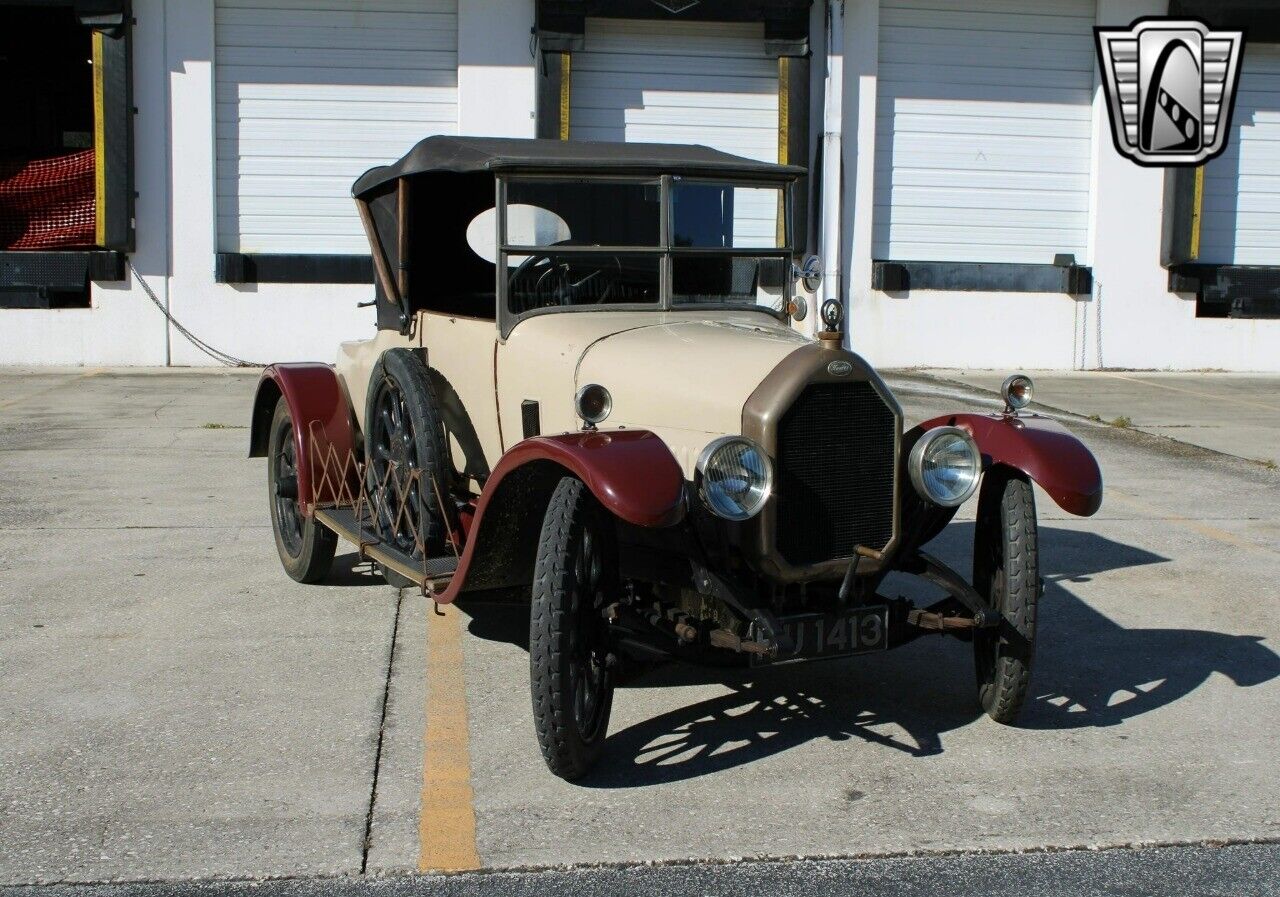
{"x":351,"y":570}
{"x":1090,"y":671}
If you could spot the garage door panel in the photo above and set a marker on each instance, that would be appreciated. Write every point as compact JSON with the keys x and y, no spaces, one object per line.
{"x":1018,"y":16}
{"x":965,"y":249}
{"x":684,"y":82}
{"x":738,"y":119}
{"x":1241,"y":218}
{"x":312,"y":93}
{"x":980,"y":75}
{"x":628,"y":97}
{"x":1015,"y":183}
{"x":960,"y":201}
{"x":924,"y":123}
{"x":984,"y":130}
{"x":920,"y":39}
{"x":373,"y":40}
{"x":994,"y":162}
{"x":1031,"y":58}
{"x":338,"y":110}
{"x":305,"y":61}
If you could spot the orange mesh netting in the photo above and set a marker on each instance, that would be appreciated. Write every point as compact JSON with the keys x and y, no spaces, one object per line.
{"x":48,"y":203}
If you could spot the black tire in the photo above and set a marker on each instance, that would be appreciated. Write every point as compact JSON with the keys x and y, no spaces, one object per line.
{"x":570,"y":667}
{"x":306,"y":547}
{"x":403,"y":426}
{"x":1006,"y":571}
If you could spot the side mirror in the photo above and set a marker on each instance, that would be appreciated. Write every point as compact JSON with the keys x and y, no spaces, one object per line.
{"x":809,"y":273}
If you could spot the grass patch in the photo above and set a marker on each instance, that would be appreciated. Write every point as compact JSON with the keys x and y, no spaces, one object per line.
{"x":1096,"y":418}
{"x":1122,"y":422}
{"x":1267,"y":463}
{"x":213,"y":426}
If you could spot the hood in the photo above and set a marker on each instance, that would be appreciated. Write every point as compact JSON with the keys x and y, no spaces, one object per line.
{"x":690,"y":375}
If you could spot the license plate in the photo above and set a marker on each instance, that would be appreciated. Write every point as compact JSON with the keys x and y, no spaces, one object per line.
{"x":820,"y":636}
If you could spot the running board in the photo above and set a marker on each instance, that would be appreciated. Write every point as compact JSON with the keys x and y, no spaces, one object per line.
{"x":431,"y":577}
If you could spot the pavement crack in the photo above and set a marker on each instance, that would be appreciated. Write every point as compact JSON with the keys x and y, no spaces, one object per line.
{"x":367,"y":846}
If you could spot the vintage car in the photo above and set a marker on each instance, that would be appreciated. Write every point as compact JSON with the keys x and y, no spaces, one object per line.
{"x":585,"y":384}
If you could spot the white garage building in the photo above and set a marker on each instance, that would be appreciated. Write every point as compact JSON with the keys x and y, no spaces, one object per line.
{"x":964,"y":192}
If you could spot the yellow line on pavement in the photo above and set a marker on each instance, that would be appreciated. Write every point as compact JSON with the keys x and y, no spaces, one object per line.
{"x":447,"y":820}
{"x":1210,"y":532}
{"x":1192,"y":392}
{"x":9,"y":403}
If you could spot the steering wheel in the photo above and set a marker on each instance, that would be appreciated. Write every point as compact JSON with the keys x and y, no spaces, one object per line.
{"x":552,"y":282}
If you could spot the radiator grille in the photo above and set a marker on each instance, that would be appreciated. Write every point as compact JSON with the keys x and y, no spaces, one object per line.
{"x":836,"y":460}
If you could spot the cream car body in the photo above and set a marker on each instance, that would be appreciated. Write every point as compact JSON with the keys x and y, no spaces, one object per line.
{"x":684,"y":375}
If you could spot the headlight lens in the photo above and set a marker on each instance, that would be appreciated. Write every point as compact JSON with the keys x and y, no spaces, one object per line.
{"x":735,"y":477}
{"x":593,"y":403}
{"x":1017,"y":391}
{"x":945,"y":466}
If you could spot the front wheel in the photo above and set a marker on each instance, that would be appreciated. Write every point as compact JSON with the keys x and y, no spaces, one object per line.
{"x":569,"y":664}
{"x":1006,"y":571}
{"x":306,"y":547}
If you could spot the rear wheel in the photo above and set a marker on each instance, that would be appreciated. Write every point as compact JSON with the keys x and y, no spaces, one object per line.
{"x":306,"y":547}
{"x":1006,"y":571}
{"x":405,"y":450}
{"x":575,"y":578}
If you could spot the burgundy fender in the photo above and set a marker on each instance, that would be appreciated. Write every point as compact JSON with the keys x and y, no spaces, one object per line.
{"x":1039,"y":447}
{"x":631,"y":473}
{"x":322,"y":427}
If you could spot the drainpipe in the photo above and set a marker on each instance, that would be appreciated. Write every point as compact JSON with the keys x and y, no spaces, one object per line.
{"x":832,"y":183}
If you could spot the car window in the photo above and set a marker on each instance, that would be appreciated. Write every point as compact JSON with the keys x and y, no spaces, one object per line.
{"x":594,"y":213}
{"x":526,"y":226}
{"x":726,"y":216}
{"x":561,"y":279}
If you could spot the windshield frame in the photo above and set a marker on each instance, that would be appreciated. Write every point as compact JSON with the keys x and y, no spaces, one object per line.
{"x":508,"y":319}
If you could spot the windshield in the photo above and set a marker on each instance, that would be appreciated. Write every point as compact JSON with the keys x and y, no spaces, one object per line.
{"x":581,"y":243}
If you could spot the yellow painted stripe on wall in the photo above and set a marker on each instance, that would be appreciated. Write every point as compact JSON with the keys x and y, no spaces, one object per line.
{"x":99,"y":145}
{"x":565,"y":67}
{"x":1197,"y":207}
{"x":784,"y":107}
{"x":447,"y":818}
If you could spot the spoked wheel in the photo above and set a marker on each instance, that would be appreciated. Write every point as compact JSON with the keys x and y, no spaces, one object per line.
{"x":306,"y":547}
{"x":575,"y":578}
{"x":405,"y":451}
{"x":1006,"y":571}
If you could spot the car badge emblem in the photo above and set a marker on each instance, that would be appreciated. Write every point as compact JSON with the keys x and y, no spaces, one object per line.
{"x":839,"y":368}
{"x":1170,"y":85}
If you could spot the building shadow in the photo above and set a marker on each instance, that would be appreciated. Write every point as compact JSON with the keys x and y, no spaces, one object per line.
{"x":1090,"y":671}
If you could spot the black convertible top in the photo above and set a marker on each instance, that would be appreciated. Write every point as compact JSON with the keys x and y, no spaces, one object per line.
{"x":463,"y":154}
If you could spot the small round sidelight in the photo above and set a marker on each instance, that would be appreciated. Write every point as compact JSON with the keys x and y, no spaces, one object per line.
{"x":1017,"y":391}
{"x":735,"y":477}
{"x":945,"y":466}
{"x":593,"y":403}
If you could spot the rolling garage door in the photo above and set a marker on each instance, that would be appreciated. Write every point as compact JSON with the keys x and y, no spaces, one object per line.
{"x":983,"y":130}
{"x":312,"y":93}
{"x":1240,"y":221}
{"x":676,"y":82}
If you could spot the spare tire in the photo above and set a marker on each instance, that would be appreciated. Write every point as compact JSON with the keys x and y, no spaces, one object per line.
{"x":405,"y":453}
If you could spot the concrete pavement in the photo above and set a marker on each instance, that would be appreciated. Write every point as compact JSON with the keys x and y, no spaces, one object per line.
{"x":175,"y":707}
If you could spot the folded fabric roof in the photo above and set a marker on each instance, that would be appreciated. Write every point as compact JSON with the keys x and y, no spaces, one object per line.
{"x":463,"y":154}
